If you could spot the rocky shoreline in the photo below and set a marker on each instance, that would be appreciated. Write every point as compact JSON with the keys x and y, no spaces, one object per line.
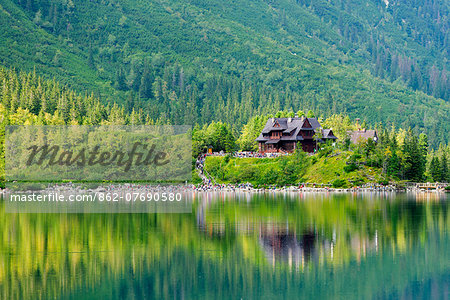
{"x":231,"y":188}
{"x":228,"y":188}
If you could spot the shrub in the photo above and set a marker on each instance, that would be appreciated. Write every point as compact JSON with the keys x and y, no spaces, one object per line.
{"x":325,"y":152}
{"x":338,"y":183}
{"x":358,"y":181}
{"x":383,"y":181}
{"x":212,"y":165}
{"x":195,"y":178}
{"x":270,"y":176}
{"x":373,"y":163}
{"x":355,"y":157}
{"x":247,"y":173}
{"x":447,"y":188}
{"x":350,"y":168}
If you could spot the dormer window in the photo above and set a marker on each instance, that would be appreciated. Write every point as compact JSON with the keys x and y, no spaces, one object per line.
{"x":276,"y":134}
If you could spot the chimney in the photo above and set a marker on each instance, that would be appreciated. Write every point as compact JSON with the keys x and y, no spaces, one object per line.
{"x":358,"y":127}
{"x":303,"y":118}
{"x":273,"y":120}
{"x":296,"y":116}
{"x":289,"y":120}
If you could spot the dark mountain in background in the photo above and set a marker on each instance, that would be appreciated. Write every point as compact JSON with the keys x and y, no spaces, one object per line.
{"x":196,"y":61}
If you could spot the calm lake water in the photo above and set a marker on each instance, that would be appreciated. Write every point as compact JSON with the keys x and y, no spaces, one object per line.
{"x":311,"y":246}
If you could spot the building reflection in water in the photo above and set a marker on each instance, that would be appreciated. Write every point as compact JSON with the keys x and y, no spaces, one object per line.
{"x":283,"y":245}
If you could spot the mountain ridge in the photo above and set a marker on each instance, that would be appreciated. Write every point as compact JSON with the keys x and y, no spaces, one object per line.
{"x":193,"y":61}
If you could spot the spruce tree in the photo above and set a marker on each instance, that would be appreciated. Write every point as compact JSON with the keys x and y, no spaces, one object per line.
{"x":435,"y":170}
{"x":145,"y":88}
{"x":413,"y":162}
{"x":423,"y":151}
{"x":444,"y":168}
{"x":120,"y":80}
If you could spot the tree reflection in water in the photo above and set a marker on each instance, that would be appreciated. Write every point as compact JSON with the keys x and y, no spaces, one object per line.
{"x":234,"y":246}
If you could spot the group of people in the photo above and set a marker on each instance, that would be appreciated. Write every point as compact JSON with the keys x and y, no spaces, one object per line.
{"x":245,"y":154}
{"x":249,"y":154}
{"x":208,"y":187}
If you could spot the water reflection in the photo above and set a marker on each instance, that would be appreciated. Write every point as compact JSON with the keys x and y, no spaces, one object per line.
{"x":341,"y":226}
{"x":235,"y":246}
{"x":283,"y":246}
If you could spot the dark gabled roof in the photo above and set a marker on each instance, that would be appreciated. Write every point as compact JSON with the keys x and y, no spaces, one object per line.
{"x":260,"y":138}
{"x":292,"y":126}
{"x":289,"y":130}
{"x":314,"y":123}
{"x":272,"y":141}
{"x":292,"y":138}
{"x":287,"y":126}
{"x":283,"y":138}
{"x":328,"y":134}
{"x":283,"y":122}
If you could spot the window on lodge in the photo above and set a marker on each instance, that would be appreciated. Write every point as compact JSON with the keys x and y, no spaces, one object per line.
{"x":276,"y":134}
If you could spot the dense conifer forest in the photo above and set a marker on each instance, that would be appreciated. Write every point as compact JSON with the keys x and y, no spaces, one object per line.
{"x":400,"y":154}
{"x":195,"y":62}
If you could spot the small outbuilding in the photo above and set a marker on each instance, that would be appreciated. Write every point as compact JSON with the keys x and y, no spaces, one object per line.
{"x":362,"y":135}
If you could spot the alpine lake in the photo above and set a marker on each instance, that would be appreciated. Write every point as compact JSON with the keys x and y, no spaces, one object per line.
{"x":241,"y":245}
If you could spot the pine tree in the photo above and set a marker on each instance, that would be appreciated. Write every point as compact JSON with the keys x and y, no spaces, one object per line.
{"x":120,"y":80}
{"x":423,"y":149}
{"x":444,"y":168}
{"x":394,"y":166}
{"x":413,"y":162}
{"x":129,"y":104}
{"x":134,"y":78}
{"x":145,"y":89}
{"x":91,"y":62}
{"x":435,"y":171}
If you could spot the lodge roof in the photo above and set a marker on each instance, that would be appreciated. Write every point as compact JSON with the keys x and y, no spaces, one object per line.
{"x":272,"y":141}
{"x":362,"y":135}
{"x":292,"y":126}
{"x":328,"y":134}
{"x":289,"y":124}
{"x":283,"y":138}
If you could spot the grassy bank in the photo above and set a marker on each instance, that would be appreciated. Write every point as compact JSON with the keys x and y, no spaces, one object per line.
{"x":340,"y":169}
{"x":342,"y":166}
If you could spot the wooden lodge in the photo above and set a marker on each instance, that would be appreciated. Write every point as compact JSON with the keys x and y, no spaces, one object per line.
{"x":283,"y":135}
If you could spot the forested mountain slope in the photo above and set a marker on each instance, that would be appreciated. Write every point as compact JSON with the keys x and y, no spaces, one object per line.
{"x":203,"y":60}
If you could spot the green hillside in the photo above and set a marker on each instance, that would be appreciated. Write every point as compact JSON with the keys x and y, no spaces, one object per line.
{"x":198,"y":61}
{"x":27,"y":99}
